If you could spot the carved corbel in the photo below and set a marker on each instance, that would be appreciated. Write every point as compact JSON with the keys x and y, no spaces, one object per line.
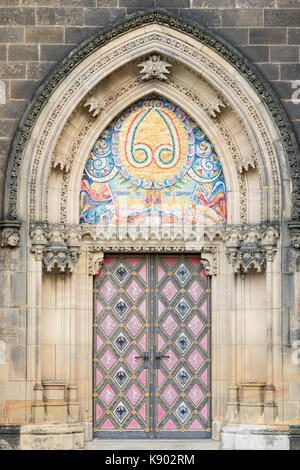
{"x":62,"y":162}
{"x":249,"y":257}
{"x":209,"y":261}
{"x":214,"y":107}
{"x":38,"y":235}
{"x":294,"y":228}
{"x":95,"y":106}
{"x":95,"y":262}
{"x":10,"y":233}
{"x":58,"y":258}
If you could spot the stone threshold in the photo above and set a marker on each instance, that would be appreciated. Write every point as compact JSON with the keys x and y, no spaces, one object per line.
{"x":152,"y":444}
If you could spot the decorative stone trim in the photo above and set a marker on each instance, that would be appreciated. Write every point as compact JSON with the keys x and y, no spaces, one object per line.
{"x":229,"y":54}
{"x":10,"y":233}
{"x":266,"y":233}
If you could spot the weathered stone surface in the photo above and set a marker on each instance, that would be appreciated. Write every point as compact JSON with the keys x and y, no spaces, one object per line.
{"x":290,"y":71}
{"x":209,"y":18}
{"x":242,"y":18}
{"x":11,"y":34}
{"x":280,"y":18}
{"x":294,"y":36}
{"x":17,"y":16}
{"x":236,"y":36}
{"x":22,"y":52}
{"x":74,"y":35}
{"x":284,"y":54}
{"x":52,"y":53}
{"x":214,"y":3}
{"x":267,"y":36}
{"x":59,"y":16}
{"x":38,"y":70}
{"x":270,"y":71}
{"x":44,"y":35}
{"x":102,"y":16}
{"x":256,"y":53}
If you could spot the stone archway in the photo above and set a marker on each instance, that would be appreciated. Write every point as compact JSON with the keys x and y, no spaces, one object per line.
{"x":212,"y":83}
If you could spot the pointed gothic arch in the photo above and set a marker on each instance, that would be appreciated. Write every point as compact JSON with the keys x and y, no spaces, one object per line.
{"x":225,"y":95}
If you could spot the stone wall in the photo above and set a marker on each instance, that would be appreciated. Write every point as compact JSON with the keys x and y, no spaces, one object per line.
{"x":36,"y":34}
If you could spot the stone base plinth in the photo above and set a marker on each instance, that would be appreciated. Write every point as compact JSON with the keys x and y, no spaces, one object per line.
{"x":254,"y":437}
{"x":42,"y":437}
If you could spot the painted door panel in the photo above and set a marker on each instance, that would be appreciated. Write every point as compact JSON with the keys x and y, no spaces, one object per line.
{"x":151,"y":348}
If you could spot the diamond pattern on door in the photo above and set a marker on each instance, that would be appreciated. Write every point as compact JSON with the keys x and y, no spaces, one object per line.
{"x":152,"y":348}
{"x":121,"y":397}
{"x":182,"y":340}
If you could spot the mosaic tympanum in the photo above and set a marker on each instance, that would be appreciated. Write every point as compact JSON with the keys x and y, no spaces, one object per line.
{"x":153,"y":164}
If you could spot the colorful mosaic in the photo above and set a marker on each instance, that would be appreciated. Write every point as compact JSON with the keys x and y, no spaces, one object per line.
{"x":153,"y":163}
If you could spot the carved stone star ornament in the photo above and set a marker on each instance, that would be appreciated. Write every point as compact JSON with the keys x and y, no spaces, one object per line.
{"x":154,"y":67}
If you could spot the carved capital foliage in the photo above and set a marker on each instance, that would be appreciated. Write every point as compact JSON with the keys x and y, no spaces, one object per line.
{"x":10,"y":233}
{"x":209,"y":260}
{"x":95,"y":262}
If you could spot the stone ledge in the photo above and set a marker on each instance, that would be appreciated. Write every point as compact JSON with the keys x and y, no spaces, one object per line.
{"x":42,"y":437}
{"x":255,"y":437}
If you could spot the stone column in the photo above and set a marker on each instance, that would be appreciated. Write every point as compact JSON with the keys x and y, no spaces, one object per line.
{"x":269,"y":414}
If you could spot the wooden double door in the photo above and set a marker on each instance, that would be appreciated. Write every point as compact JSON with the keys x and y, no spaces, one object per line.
{"x":152,"y":364}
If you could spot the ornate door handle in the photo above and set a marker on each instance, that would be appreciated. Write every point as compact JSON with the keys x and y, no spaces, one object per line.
{"x":158,"y":357}
{"x":144,"y":356}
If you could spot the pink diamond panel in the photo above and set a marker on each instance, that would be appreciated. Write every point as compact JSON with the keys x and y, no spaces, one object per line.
{"x":134,"y":290}
{"x":134,"y":325}
{"x":108,"y":325}
{"x":195,"y":291}
{"x":195,"y":359}
{"x":195,"y":394}
{"x":133,"y":394}
{"x":108,"y":359}
{"x":169,"y":325}
{"x":195,"y":325}
{"x":170,"y":394}
{"x":171,"y":360}
{"x":108,"y":291}
{"x":133,"y":361}
{"x":107,"y":394}
{"x":169,"y":290}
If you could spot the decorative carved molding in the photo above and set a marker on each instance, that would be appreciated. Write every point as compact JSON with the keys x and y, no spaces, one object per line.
{"x":227,"y":52}
{"x":266,"y":233}
{"x":10,"y":233}
{"x":154,"y":67}
{"x":95,"y":105}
